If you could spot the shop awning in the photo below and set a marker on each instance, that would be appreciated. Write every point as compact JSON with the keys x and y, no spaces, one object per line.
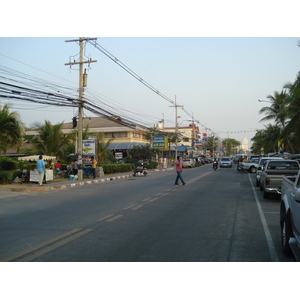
{"x":124,"y":146}
{"x":36,"y":157}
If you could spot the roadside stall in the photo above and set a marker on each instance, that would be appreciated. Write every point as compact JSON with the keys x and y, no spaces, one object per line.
{"x":34,"y":175}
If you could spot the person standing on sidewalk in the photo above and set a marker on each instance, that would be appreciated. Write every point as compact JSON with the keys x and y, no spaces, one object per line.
{"x":94,"y":165}
{"x":179,"y":171}
{"x":40,"y":164}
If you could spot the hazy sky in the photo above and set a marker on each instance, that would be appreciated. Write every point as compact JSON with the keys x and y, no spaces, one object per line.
{"x":217,"y":79}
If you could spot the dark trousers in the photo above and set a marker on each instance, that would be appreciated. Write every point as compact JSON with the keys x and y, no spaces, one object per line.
{"x":94,"y":172}
{"x":179,"y":176}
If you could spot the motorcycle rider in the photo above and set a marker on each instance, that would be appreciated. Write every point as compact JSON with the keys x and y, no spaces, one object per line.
{"x":215,"y":163}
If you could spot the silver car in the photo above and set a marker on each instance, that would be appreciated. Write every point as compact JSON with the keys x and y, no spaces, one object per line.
{"x":189,"y":163}
{"x":226,"y":162}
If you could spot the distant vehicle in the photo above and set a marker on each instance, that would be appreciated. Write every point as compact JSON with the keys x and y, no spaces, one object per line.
{"x":237,"y":157}
{"x":189,"y":163}
{"x":225,"y":162}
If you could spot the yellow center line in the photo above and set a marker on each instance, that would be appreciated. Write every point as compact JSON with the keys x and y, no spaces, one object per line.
{"x":50,"y":248}
{"x":137,"y":207}
{"x":12,"y":257}
{"x":154,"y":199}
{"x":104,"y":218}
{"x":128,"y":207}
{"x":114,"y":218}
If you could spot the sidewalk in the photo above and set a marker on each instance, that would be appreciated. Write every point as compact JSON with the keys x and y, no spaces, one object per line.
{"x":15,"y":189}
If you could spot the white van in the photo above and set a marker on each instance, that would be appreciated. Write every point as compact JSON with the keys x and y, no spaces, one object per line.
{"x":260,"y":164}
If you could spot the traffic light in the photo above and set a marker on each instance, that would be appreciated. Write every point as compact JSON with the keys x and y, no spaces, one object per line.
{"x":74,"y":122}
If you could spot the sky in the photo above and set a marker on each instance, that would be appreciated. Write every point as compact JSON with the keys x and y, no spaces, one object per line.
{"x":218,"y":76}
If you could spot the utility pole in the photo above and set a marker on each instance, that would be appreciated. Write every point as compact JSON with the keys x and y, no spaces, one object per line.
{"x":82,"y":83}
{"x":176,"y":127}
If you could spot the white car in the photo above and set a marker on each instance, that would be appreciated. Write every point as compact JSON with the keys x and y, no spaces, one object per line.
{"x":189,"y":163}
{"x":226,"y":162}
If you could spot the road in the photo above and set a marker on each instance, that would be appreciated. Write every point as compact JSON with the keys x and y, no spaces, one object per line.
{"x":218,"y":216}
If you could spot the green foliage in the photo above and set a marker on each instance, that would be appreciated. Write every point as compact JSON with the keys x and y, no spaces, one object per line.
{"x":51,"y":140}
{"x":11,"y":128}
{"x":117,"y":168}
{"x":141,"y":152}
{"x":7,"y":163}
{"x":152,"y":165}
{"x":6,"y":177}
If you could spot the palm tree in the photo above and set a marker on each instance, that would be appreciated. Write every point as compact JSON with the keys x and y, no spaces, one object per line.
{"x":278,"y":111}
{"x":11,"y":128}
{"x":293,"y":126}
{"x":51,"y":140}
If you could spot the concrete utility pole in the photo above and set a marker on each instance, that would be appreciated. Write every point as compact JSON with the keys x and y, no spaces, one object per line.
{"x":176,"y":127}
{"x":82,"y":83}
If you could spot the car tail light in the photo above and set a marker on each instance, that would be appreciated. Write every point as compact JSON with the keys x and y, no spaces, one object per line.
{"x":267,"y":181}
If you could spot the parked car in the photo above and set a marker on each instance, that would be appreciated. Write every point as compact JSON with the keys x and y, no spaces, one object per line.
{"x":251,"y":166}
{"x":260,"y":164}
{"x":272,"y":174}
{"x":188,"y":163}
{"x":225,"y":162}
{"x":290,"y":215}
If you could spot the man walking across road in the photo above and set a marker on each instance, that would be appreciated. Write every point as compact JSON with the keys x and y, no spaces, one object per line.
{"x":179,"y":171}
{"x":40,"y":164}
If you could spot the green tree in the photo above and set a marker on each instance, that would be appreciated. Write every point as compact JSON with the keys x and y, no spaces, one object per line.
{"x":229,"y":145}
{"x":50,"y":139}
{"x":141,"y":152}
{"x":292,"y":128}
{"x":11,"y":128}
{"x":266,"y":140}
{"x":279,"y":112}
{"x":212,"y":144}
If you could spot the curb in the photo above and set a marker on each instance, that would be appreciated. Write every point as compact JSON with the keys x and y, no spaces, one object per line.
{"x":69,"y":185}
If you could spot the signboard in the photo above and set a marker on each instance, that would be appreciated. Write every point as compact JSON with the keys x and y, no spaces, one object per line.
{"x":119,"y":155}
{"x":160,"y":142}
{"x":89,"y":147}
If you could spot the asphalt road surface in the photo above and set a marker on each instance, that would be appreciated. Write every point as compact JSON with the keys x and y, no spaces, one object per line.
{"x":218,"y":216}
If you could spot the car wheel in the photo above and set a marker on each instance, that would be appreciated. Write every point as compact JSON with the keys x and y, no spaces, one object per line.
{"x":286,"y":234}
{"x":252,"y":170}
{"x":266,"y":195}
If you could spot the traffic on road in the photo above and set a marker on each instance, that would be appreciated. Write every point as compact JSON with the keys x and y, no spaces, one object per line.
{"x":217,"y":216}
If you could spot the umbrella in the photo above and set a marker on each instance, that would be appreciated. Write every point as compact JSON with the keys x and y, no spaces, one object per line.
{"x":36,"y":157}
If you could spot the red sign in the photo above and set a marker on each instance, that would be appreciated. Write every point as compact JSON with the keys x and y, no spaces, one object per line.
{"x":205,"y":134}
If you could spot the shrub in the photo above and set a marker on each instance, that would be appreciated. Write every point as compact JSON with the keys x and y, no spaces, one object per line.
{"x":6,"y":177}
{"x":117,"y":168}
{"x":7,"y":164}
{"x":152,"y":165}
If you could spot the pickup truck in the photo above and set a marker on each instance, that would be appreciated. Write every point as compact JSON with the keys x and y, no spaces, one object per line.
{"x":261,"y":162}
{"x":272,"y":174}
{"x":249,"y":166}
{"x":290,"y":215}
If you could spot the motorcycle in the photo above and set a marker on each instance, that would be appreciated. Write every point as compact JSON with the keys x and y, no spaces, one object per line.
{"x":140,"y":170}
{"x":215,"y":165}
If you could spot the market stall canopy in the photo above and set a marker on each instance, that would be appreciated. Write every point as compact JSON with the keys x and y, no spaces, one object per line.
{"x":36,"y":157}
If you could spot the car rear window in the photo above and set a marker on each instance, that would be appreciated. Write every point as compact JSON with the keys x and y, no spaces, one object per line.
{"x":283,"y":165}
